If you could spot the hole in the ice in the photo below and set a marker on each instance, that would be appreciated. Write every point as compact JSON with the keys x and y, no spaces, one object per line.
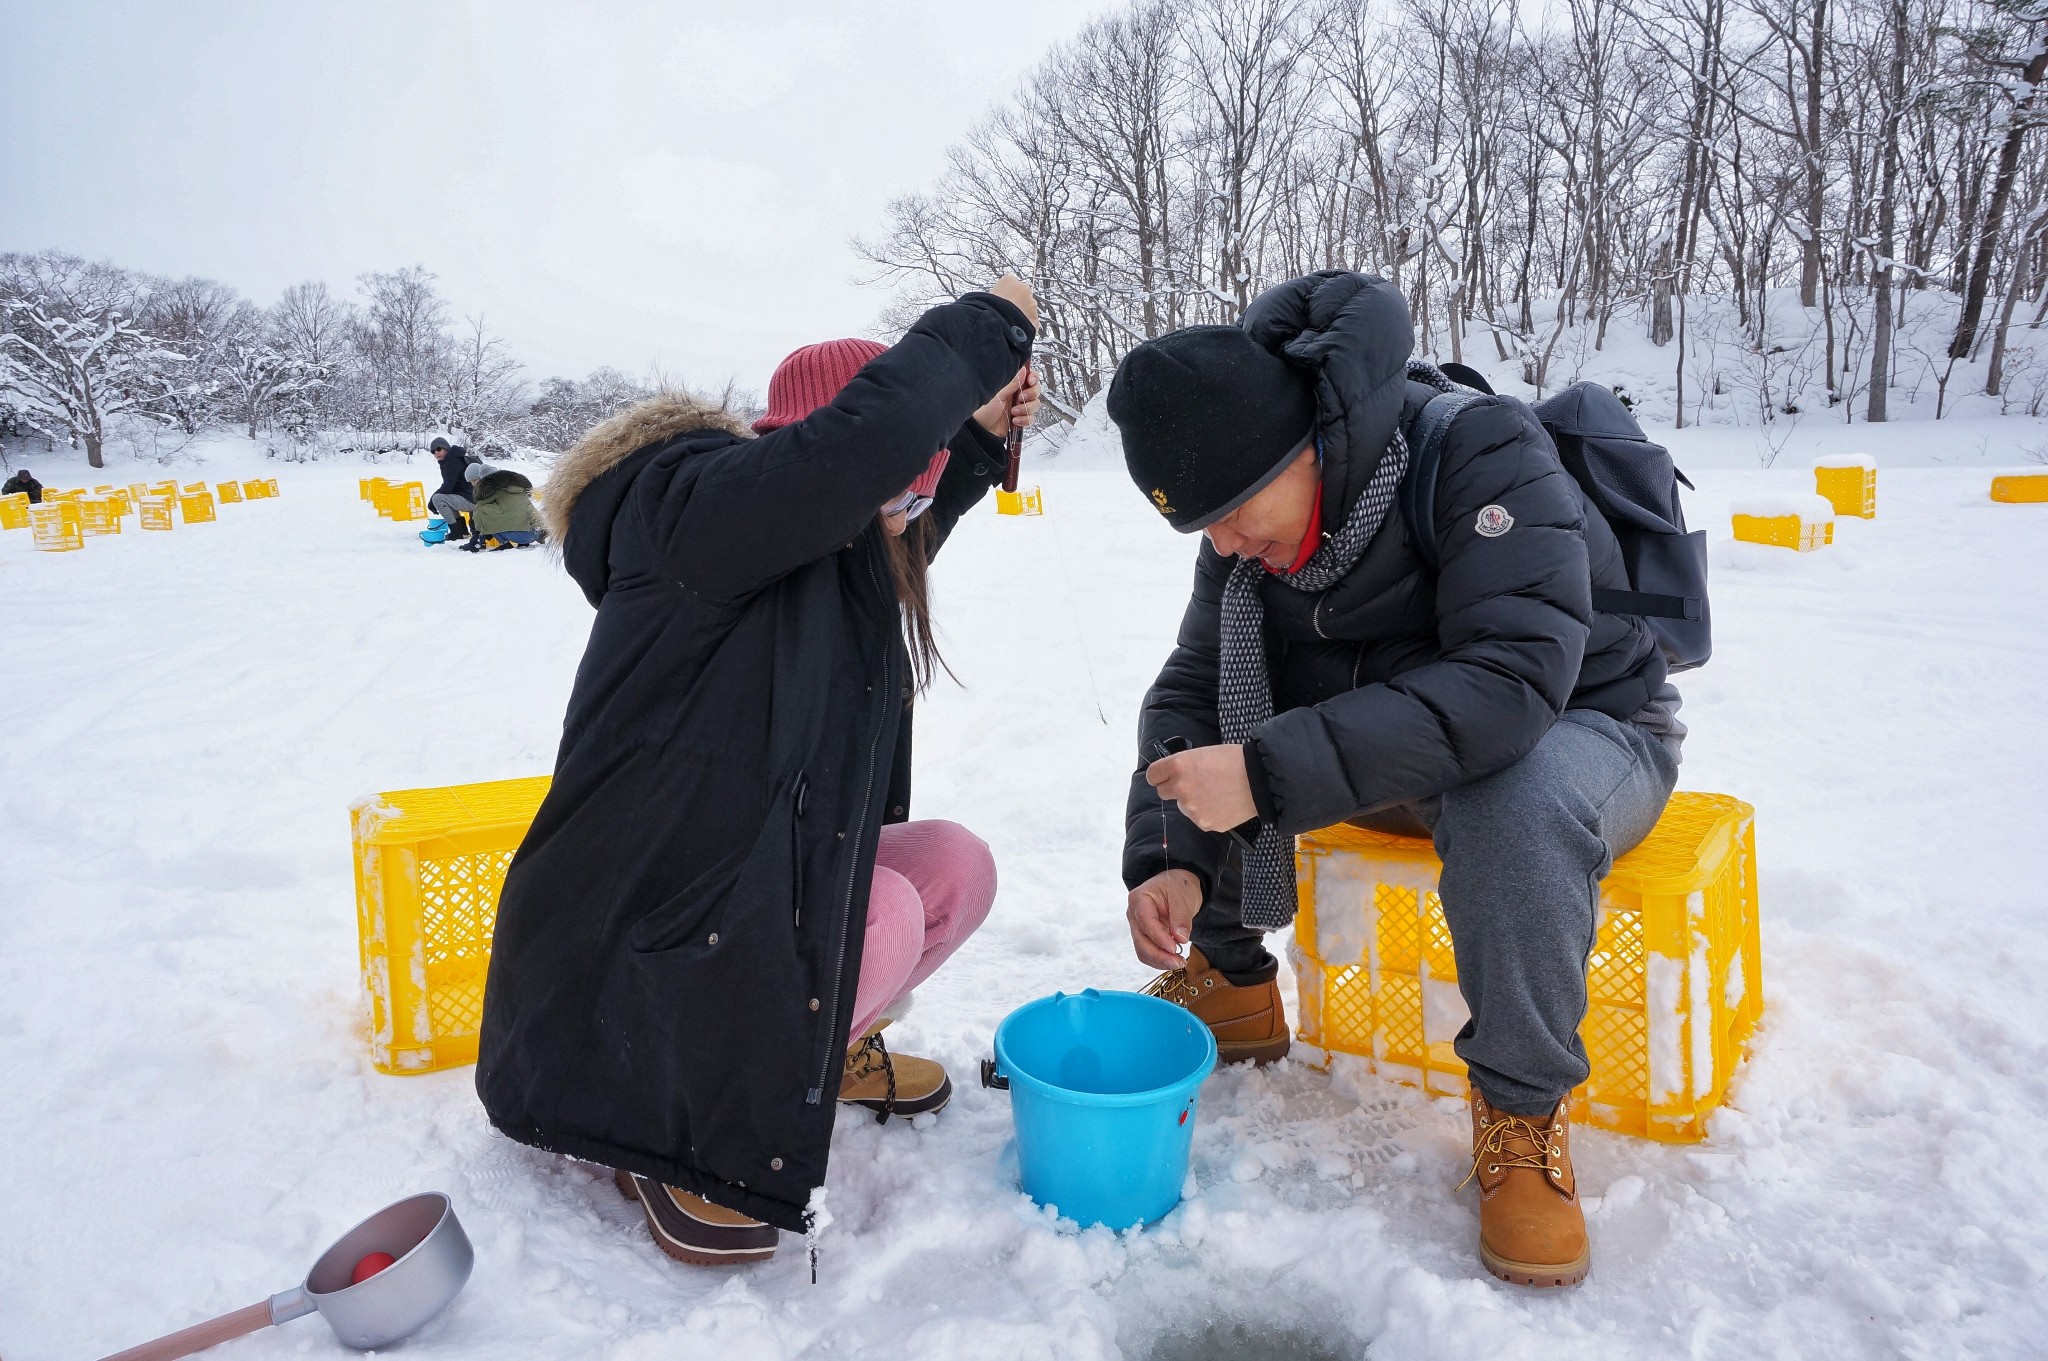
{"x":1236,"y":1339}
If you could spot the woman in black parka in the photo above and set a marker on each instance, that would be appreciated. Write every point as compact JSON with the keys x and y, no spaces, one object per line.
{"x":679,"y":941}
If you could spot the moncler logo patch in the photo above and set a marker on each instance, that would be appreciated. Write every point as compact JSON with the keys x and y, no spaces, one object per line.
{"x":1493,"y":522}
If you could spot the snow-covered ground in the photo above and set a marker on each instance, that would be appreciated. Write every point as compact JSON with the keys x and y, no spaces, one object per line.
{"x":189,"y":1113}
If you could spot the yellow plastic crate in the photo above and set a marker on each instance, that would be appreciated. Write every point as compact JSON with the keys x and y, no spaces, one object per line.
{"x":402,"y":501}
{"x":157,"y":514}
{"x":14,"y":510}
{"x":1849,"y":482}
{"x":99,"y":515}
{"x":1785,"y":531}
{"x":196,"y":506}
{"x":2017,"y":488}
{"x":429,"y":863}
{"x":1674,"y":984}
{"x":257,"y":489}
{"x":1020,"y":502}
{"x":270,"y":486}
{"x":57,"y":526}
{"x":363,"y":485}
{"x":229,"y":493}
{"x":163,"y":489}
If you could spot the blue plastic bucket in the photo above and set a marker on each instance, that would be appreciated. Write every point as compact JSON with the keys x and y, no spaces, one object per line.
{"x":1103,"y":1089}
{"x":435,"y":532}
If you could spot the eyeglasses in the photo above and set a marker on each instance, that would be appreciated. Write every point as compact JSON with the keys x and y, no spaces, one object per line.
{"x":909,"y":505}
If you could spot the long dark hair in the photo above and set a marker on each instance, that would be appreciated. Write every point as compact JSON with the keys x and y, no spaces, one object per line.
{"x":909,"y":557}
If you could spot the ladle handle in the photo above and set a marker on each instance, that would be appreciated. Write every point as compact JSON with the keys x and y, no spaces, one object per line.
{"x":200,"y":1336}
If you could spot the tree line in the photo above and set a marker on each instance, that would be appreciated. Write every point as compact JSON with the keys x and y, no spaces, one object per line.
{"x":1759,"y":185}
{"x":87,"y":348}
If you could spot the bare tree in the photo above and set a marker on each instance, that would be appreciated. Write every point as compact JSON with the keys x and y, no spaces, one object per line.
{"x":2021,"y":88}
{"x":69,"y":346}
{"x":483,"y":379}
{"x":1896,"y":34}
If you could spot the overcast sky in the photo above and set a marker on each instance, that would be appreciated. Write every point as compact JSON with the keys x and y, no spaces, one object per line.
{"x":626,"y":184}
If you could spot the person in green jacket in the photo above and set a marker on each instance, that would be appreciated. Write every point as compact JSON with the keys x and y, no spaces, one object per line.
{"x":504,"y":514}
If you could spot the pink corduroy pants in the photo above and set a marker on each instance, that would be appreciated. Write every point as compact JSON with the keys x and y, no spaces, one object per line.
{"x":934,"y":884}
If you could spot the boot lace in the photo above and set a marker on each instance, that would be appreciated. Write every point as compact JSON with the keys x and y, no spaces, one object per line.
{"x":1492,"y":1151}
{"x":872,"y":1054}
{"x":1176,"y":987}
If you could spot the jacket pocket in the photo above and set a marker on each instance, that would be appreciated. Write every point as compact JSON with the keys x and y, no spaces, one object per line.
{"x":799,"y":795}
{"x":692,"y":915}
{"x":738,"y":890}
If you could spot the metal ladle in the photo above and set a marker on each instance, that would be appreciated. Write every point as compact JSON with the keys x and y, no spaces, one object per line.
{"x":433,"y":1261}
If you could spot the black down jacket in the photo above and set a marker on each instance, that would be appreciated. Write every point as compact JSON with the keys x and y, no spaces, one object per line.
{"x":1394,"y":685}
{"x":454,"y":465}
{"x":679,"y":935}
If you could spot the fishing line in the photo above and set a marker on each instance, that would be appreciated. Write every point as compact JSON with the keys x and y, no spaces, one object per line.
{"x":1074,"y":616}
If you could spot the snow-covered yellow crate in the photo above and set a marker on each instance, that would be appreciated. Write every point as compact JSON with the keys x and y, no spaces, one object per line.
{"x":99,"y":515}
{"x":157,"y":513}
{"x":1674,"y":984}
{"x":1848,"y":482}
{"x":1799,"y":521}
{"x":57,"y":526}
{"x":2020,"y":487}
{"x":429,"y":863}
{"x":1020,"y":502}
{"x":14,"y":510}
{"x":402,"y":501}
{"x":229,"y":493}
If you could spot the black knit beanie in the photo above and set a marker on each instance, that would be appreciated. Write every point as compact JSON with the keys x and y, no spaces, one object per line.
{"x":1208,"y":418}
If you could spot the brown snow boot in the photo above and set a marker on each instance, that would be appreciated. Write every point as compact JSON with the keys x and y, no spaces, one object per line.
{"x":692,"y":1229}
{"x":1248,"y":1021}
{"x":1531,"y":1230}
{"x":892,"y":1084}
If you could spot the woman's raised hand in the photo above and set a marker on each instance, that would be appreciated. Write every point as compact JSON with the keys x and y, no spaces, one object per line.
{"x":1015,"y":291}
{"x":1015,"y":406}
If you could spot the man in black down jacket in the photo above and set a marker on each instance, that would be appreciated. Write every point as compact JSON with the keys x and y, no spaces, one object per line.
{"x":451,"y":500}
{"x":24,"y":482}
{"x":1323,"y":673}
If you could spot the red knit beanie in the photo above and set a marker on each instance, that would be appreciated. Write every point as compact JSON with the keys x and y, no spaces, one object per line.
{"x":813,"y":376}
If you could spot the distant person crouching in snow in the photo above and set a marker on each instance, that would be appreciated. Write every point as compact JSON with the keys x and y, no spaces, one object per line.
{"x":721,"y":896}
{"x":451,"y":501}
{"x":502,"y":515}
{"x":1323,"y":673}
{"x":24,"y":482}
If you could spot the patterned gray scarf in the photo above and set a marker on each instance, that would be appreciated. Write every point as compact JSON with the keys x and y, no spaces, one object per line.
{"x":1245,"y":695}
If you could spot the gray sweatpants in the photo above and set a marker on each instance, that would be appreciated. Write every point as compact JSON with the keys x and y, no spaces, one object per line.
{"x":451,"y":507}
{"x":1524,"y":851}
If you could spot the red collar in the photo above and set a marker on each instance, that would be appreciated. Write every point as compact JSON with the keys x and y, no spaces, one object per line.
{"x":1310,"y":541}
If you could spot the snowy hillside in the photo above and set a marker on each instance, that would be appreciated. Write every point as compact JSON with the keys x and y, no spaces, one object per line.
{"x":190,"y":1113}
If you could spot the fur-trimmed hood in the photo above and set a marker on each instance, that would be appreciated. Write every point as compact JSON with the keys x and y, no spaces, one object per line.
{"x":612,"y":442}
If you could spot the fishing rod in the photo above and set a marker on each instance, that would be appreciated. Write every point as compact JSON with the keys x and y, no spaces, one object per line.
{"x":1013,"y":445}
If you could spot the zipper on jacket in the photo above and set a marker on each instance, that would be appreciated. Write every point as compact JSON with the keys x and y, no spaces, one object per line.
{"x":867,"y":798}
{"x":799,"y":794}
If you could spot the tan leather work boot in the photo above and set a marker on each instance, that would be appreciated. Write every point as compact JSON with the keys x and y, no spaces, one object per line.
{"x":892,"y":1084}
{"x":1531,"y":1230}
{"x":1248,"y":1022}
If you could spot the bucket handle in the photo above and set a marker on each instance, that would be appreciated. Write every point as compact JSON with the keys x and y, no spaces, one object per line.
{"x":991,"y":1079}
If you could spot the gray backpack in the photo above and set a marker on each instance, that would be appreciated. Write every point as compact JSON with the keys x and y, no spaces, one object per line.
{"x":1630,"y":480}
